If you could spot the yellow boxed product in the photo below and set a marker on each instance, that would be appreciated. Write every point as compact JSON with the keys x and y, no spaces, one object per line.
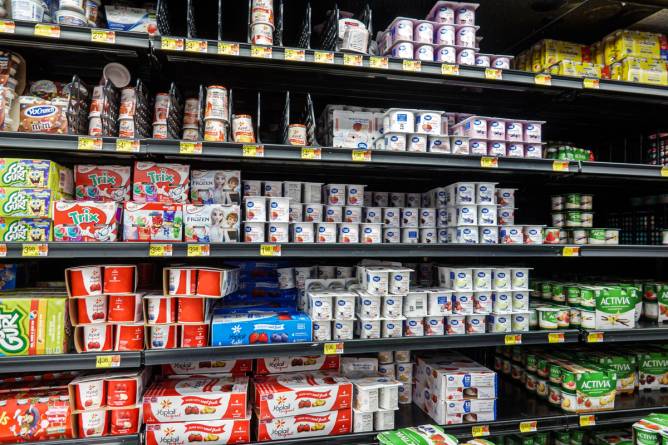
{"x":576,"y":69}
{"x":626,"y":43}
{"x":554,"y":51}
{"x":36,"y":173}
{"x":636,"y":69}
{"x":33,"y":324}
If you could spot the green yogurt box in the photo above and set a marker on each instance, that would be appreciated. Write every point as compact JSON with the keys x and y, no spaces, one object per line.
{"x":21,"y":230}
{"x":616,"y":308}
{"x":419,"y":435}
{"x":653,"y":369}
{"x":36,"y":173}
{"x":27,"y":202}
{"x":651,"y":430}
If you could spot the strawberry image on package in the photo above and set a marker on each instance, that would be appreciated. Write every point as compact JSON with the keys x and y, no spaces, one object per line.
{"x":35,"y":415}
{"x":286,"y":363}
{"x":327,"y":423}
{"x":195,"y":399}
{"x":102,"y":182}
{"x":160,"y":182}
{"x":85,"y":221}
{"x":211,"y":432}
{"x":301,"y":393}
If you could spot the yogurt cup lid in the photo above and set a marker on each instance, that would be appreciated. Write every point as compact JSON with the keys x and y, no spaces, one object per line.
{"x":117,"y":74}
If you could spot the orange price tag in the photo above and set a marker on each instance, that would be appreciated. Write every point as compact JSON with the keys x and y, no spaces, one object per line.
{"x":543,"y":79}
{"x":171,"y":44}
{"x":262,"y":52}
{"x":493,"y":74}
{"x":570,"y":251}
{"x":3,"y":250}
{"x":412,"y":65}
{"x":190,"y":148}
{"x":7,"y":27}
{"x":352,"y":59}
{"x":128,"y":145}
{"x":252,"y":151}
{"x":588,"y":82}
{"x":560,"y":166}
{"x":589,"y":420}
{"x":450,"y":70}
{"x":196,"y":46}
{"x":160,"y":250}
{"x":513,"y":339}
{"x":89,"y":143}
{"x":333,"y":348}
{"x":528,"y":427}
{"x":311,"y":153}
{"x":270,"y":250}
{"x":489,"y":162}
{"x":102,"y":36}
{"x":108,"y":361}
{"x":35,"y":250}
{"x":480,"y":430}
{"x":555,"y":337}
{"x":323,"y":57}
{"x":361,"y":155}
{"x":595,"y":337}
{"x":198,"y":250}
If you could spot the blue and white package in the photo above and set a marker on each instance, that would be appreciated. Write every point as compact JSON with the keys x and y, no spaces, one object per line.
{"x":257,"y":327}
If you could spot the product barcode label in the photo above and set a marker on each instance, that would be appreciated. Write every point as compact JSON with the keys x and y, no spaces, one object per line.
{"x":89,"y":143}
{"x":160,"y":250}
{"x":513,"y":339}
{"x":128,"y":145}
{"x":588,"y":420}
{"x":196,"y":46}
{"x":44,"y":30}
{"x":171,"y":44}
{"x":379,"y":62}
{"x":190,"y":148}
{"x":7,"y":27}
{"x":333,"y":348}
{"x":198,"y":250}
{"x":270,"y":250}
{"x":480,"y":430}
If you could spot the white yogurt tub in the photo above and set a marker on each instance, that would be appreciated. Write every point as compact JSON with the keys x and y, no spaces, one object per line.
{"x":28,"y":10}
{"x":461,"y":278}
{"x":519,"y":278}
{"x":499,"y":322}
{"x":404,"y":369}
{"x":459,"y":145}
{"x":409,"y":217}
{"x":368,"y":328}
{"x":313,"y":212}
{"x":342,"y":329}
{"x":372,"y":215}
{"x":496,"y":129}
{"x":320,"y":305}
{"x":410,"y":236}
{"x":371,"y":233}
{"x":416,"y":143}
{"x":488,"y":235}
{"x":392,"y":216}
{"x":399,"y":281}
{"x":533,"y":131}
{"x":278,"y":232}
{"x":505,"y":197}
{"x":483,"y":60}
{"x":465,"y":13}
{"x":428,"y":122}
{"x":413,"y":327}
{"x":369,"y":306}
{"x":352,"y":214}
{"x":333,"y":213}
{"x":256,"y":208}
{"x":473,"y":127}
{"x":520,"y":300}
{"x":532,"y":234}
{"x":533,"y":151}
{"x":296,"y":211}
{"x":335,"y":194}
{"x":502,"y":301}
{"x":506,"y":216}
{"x":502,"y":278}
{"x":386,"y":369}
{"x":71,"y":18}
{"x":401,"y":29}
{"x":424,"y":52}
{"x":587,"y":319}
{"x":496,"y":148}
{"x":487,"y":215}
{"x":428,"y":236}
{"x":475,"y":324}
{"x":388,"y":395}
{"x":455,"y":324}
{"x":446,"y":54}
{"x":254,"y":232}
{"x":365,"y":397}
{"x":440,"y":302}
{"x":482,"y":278}
{"x":434,"y":325}
{"x":348,"y":232}
{"x":485,"y":193}
{"x":322,"y":330}
{"x":391,"y":235}
{"x":515,"y":150}
{"x":482,"y":302}
{"x":423,"y":32}
{"x":397,"y":199}
{"x":302,"y":232}
{"x":466,"y":56}
{"x":478,"y":147}
{"x":462,"y":302}
{"x":514,"y":131}
{"x":362,"y":422}
{"x":279,"y":209}
{"x":395,"y":142}
{"x":465,"y":37}
{"x":445,"y":34}
{"x":415,"y":304}
{"x":392,"y":306}
{"x":383,"y":420}
{"x":438,"y":144}
{"x":376,"y":280}
{"x":326,"y":233}
{"x":519,"y":321}
{"x":392,"y":327}
{"x":511,"y":235}
{"x":344,"y":306}
{"x":501,"y":62}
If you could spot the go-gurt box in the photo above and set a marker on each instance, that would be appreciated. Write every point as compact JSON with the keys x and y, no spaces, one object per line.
{"x":14,"y":230}
{"x":27,"y":203}
{"x":35,"y":173}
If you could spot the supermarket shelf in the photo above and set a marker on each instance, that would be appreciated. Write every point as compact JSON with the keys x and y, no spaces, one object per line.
{"x":36,"y":144}
{"x":71,"y":38}
{"x":308,"y":70}
{"x":621,"y":169}
{"x":65,"y":362}
{"x":129,"y":439}
{"x":629,"y":409}
{"x":645,"y":332}
{"x":315,"y":250}
{"x":357,"y":346}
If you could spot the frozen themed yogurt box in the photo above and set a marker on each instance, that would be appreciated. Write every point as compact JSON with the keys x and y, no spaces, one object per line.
{"x":25,"y":230}
{"x":160,"y":182}
{"x":35,"y":173}
{"x":102,"y":182}
{"x":85,"y":221}
{"x":215,"y":187}
{"x":211,"y":223}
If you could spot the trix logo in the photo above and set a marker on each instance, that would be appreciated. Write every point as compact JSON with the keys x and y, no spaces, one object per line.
{"x":11,"y":341}
{"x":160,"y":177}
{"x":102,"y":179}
{"x":84,"y":217}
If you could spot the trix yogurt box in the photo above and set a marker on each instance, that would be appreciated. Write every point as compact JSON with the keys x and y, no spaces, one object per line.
{"x":215,"y":187}
{"x":195,"y":399}
{"x":160,"y":182}
{"x":326,"y":423}
{"x":301,"y":393}
{"x":211,"y":432}
{"x":257,"y":327}
{"x":85,"y":221}
{"x":24,"y":229}
{"x":35,"y":173}
{"x":102,"y":182}
{"x":211,"y":223}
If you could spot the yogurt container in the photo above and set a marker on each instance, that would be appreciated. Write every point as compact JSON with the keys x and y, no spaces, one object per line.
{"x":279,"y":209}
{"x":462,"y":302}
{"x":415,"y":304}
{"x":514,"y":131}
{"x":399,"y":281}
{"x":342,"y":329}
{"x":383,"y":420}
{"x":461,"y":279}
{"x":401,"y":29}
{"x":391,"y":235}
{"x":434,"y":325}
{"x":505,"y":197}
{"x":502,"y":301}
{"x":501,"y":62}
{"x":519,"y":278}
{"x":475,"y":324}
{"x":344,"y":306}
{"x":255,"y":208}
{"x":483,"y":60}
{"x":325,"y":233}
{"x":402,"y":50}
{"x":322,"y":330}
{"x":371,"y":233}
{"x":417,"y":143}
{"x":352,"y":214}
{"x":487,"y":215}
{"x":376,"y":280}
{"x":465,"y":14}
{"x":482,"y":278}
{"x":355,"y":194}
{"x":466,"y":56}
{"x":455,"y":324}
{"x":499,"y":322}
{"x":368,"y":328}
{"x":488,"y":235}
{"x":312,"y":212}
{"x":397,"y":199}
{"x":533,"y":234}
{"x":348,"y":233}
{"x":547,"y":317}
{"x":511,"y":235}
{"x":369,"y":306}
{"x":424,"y":52}
{"x":423,"y":32}
{"x":413,"y":327}
{"x":71,"y":18}
{"x":465,"y":37}
{"x":302,"y":232}
{"x":438,"y":144}
{"x":362,"y":421}
{"x":506,"y":216}
{"x":428,"y":122}
{"x":482,"y":302}
{"x":459,"y":145}
{"x":409,"y":217}
{"x":392,"y":216}
{"x":439,"y":302}
{"x":392,"y":306}
{"x":496,"y":148}
{"x":254,"y":232}
{"x":445,"y":34}
{"x":443,"y":12}
{"x":502,"y":278}
{"x":278,"y":232}
{"x":478,"y":147}
{"x":520,"y":321}
{"x":515,"y":150}
{"x":381,"y":199}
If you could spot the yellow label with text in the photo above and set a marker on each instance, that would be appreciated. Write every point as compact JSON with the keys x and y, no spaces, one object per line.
{"x":353,"y":59}
{"x":160,"y":250}
{"x":296,"y":55}
{"x":570,"y":251}
{"x":190,"y":148}
{"x":560,"y":166}
{"x":262,"y":52}
{"x":102,"y":36}
{"x":493,"y":74}
{"x":45,"y":30}
{"x":128,"y":145}
{"x":450,"y":70}
{"x":198,"y":250}
{"x":196,"y":46}
{"x":88,"y":143}
{"x":595,"y":337}
{"x":270,"y":250}
{"x":412,"y":65}
{"x":489,"y":162}
{"x":252,"y":151}
{"x":555,"y":337}
{"x":528,"y":427}
{"x":323,"y":57}
{"x":333,"y":348}
{"x":543,"y":79}
{"x":379,"y":62}
{"x":588,"y":82}
{"x":108,"y":361}
{"x":171,"y":44}
{"x":228,"y":48}
{"x":7,"y":27}
{"x":480,"y":430}
{"x":361,"y":155}
{"x":311,"y":153}
{"x":589,"y":420}
{"x":513,"y":339}
{"x":35,"y":250}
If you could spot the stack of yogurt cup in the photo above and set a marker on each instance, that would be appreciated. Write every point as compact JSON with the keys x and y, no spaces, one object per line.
{"x":573,"y":221}
{"x":404,"y":221}
{"x":397,"y":365}
{"x":486,"y":299}
{"x":261,"y":31}
{"x":509,"y":231}
{"x":414,"y":131}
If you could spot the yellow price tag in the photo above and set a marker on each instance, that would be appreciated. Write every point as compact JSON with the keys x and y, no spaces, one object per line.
{"x":513,"y":339}
{"x":543,"y":79}
{"x":480,"y":430}
{"x":108,"y":361}
{"x":353,"y":59}
{"x":171,"y":44}
{"x":412,"y":65}
{"x":560,"y":166}
{"x":323,"y":57}
{"x":160,"y":250}
{"x":128,"y":145}
{"x":7,"y":27}
{"x":664,"y":171}
{"x":528,"y":427}
{"x":252,"y":151}
{"x":198,"y":250}
{"x":3,"y":250}
{"x":362,"y":155}
{"x":589,"y":420}
{"x":190,"y":148}
{"x":311,"y":153}
{"x":44,"y":30}
{"x":197,"y":46}
{"x":333,"y":348}
{"x":35,"y":250}
{"x":450,"y":70}
{"x":555,"y":337}
{"x":102,"y":36}
{"x":87,"y":143}
{"x":595,"y":337}
{"x":588,"y":82}
{"x":228,"y":49}
{"x":379,"y":62}
{"x":489,"y":162}
{"x":570,"y":251}
{"x":263,"y":52}
{"x":270,"y":250}
{"x":296,"y":55}
{"x":493,"y":74}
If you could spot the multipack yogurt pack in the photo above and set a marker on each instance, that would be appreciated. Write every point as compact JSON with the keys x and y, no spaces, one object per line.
{"x":215,"y":187}
{"x":35,"y":173}
{"x":155,"y":182}
{"x":196,"y":399}
{"x":418,"y":435}
{"x":152,"y":221}
{"x":13,"y":230}
{"x":27,"y":202}
{"x":286,"y":363}
{"x":102,"y":182}
{"x":211,"y":432}
{"x":235,"y":367}
{"x":85,"y":221}
{"x":456,"y":377}
{"x":259,"y":327}
{"x":326,"y":423}
{"x":211,"y":223}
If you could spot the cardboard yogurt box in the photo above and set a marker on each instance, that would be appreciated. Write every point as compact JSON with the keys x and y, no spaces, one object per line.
{"x":35,"y":416}
{"x":152,"y":221}
{"x":235,"y":367}
{"x":85,"y":221}
{"x":33,"y":325}
{"x":326,"y":423}
{"x":196,"y":399}
{"x":286,"y":363}
{"x":259,"y":327}
{"x":25,"y":229}
{"x":456,"y":378}
{"x":215,"y":187}
{"x":211,"y":223}
{"x":211,"y":432}
{"x":301,"y":393}
{"x":27,"y":202}
{"x":35,"y":173}
{"x":154,"y":182}
{"x":102,"y":182}
{"x":616,"y":308}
